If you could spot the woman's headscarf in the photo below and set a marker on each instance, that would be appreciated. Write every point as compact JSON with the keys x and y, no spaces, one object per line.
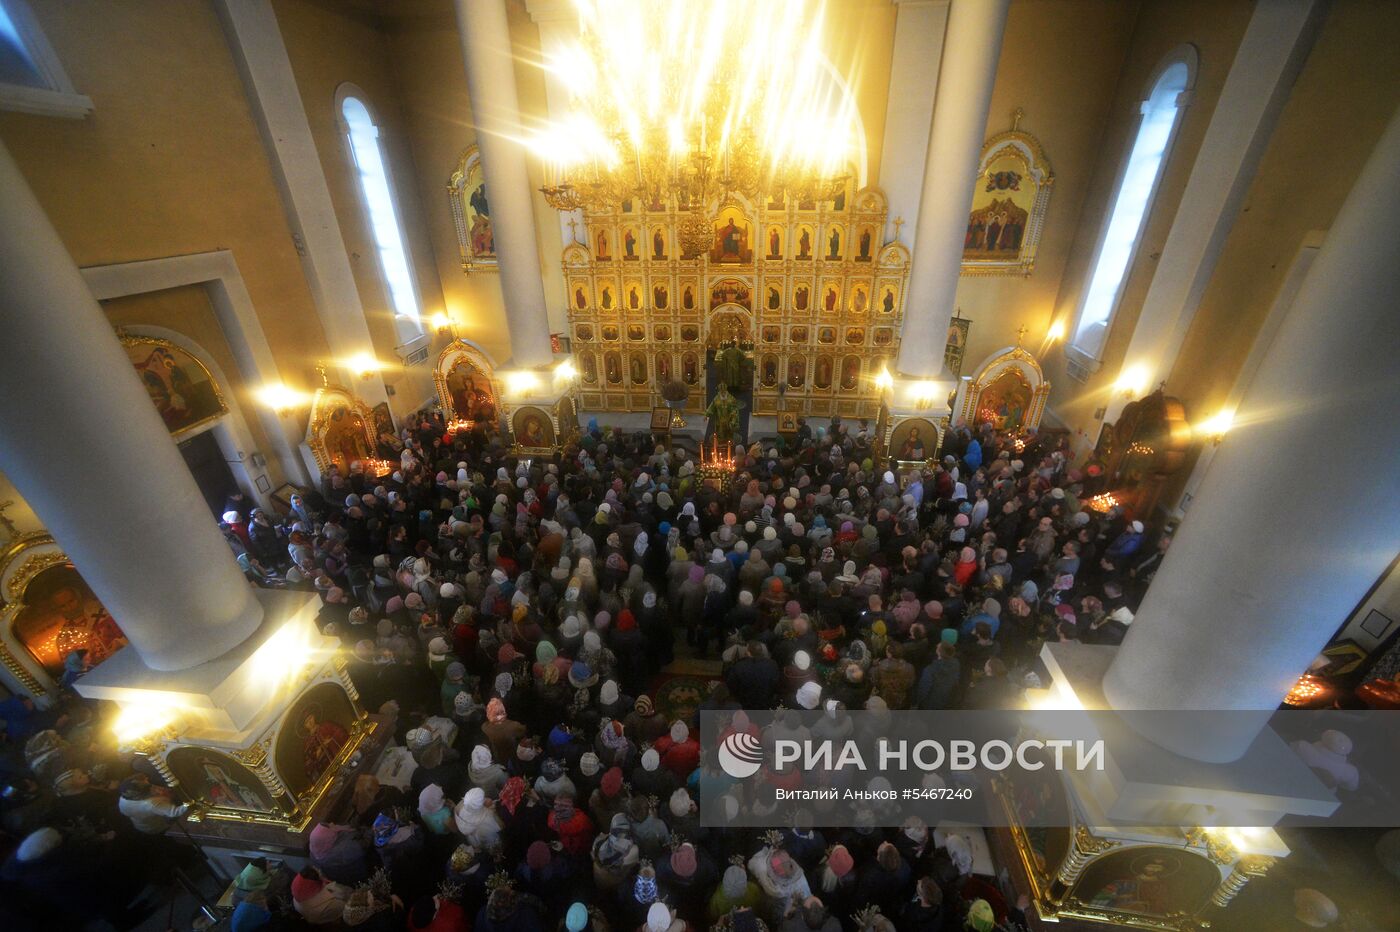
{"x":430,"y":801}
{"x":322,"y":839}
{"x":512,"y":793}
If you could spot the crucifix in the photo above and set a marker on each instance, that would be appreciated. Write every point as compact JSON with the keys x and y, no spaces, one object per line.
{"x":10,"y":530}
{"x":321,"y":371}
{"x":898,"y":222}
{"x":1020,"y":334}
{"x":1016,"y":116}
{"x":573,"y":230}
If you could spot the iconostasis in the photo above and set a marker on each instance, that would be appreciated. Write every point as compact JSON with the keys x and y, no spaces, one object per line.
{"x":811,"y":288}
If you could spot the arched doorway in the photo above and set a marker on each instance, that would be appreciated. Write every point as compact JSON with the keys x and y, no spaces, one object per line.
{"x":729,"y":340}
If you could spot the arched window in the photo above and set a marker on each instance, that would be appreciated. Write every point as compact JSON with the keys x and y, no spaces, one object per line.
{"x":381,"y":212}
{"x":1132,"y":201}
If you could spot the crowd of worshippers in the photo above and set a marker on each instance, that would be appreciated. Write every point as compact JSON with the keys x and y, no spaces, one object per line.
{"x":511,"y":618}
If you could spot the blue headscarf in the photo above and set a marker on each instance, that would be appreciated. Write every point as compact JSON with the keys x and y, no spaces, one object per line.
{"x":384,"y":828}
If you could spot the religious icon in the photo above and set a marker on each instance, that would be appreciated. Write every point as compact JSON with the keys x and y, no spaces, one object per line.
{"x":634,"y":298}
{"x":850,"y":372}
{"x":1008,"y":204}
{"x":584,"y":333}
{"x":471,"y":212}
{"x":629,"y":244}
{"x":804,"y":243}
{"x":797,"y":371}
{"x":638,"y":366}
{"x":863,"y":247}
{"x":580,"y":300}
{"x":658,"y":296}
{"x":690,"y":333}
{"x":771,"y":334}
{"x":834,"y":244}
{"x":179,"y":386}
{"x":602,"y":244}
{"x":1152,"y":882}
{"x":826,"y":335}
{"x":887,"y":302}
{"x":636,"y":332}
{"x":798,"y":335}
{"x":345,"y":438}
{"x":1005,"y":401}
{"x":690,"y":369}
{"x":883,"y":336}
{"x":471,"y":393}
{"x":729,"y":291}
{"x":662,"y":333}
{"x":800,"y":296}
{"x":612,"y":368}
{"x":831,"y":299}
{"x":860,"y":299}
{"x":911,"y":439}
{"x":775,"y":298}
{"x":768,"y":372}
{"x":590,"y":368}
{"x":60,"y":614}
{"x":607,"y":300}
{"x":855,"y":335}
{"x":210,"y":777}
{"x":688,"y":298}
{"x":533,"y":428}
{"x":822,"y":377}
{"x":957,"y":344}
{"x":658,"y":244}
{"x":663,"y":367}
{"x":775,"y":243}
{"x":611,"y":333}
{"x":731,"y":238}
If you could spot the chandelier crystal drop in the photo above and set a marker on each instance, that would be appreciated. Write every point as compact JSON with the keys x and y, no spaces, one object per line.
{"x":682,"y":104}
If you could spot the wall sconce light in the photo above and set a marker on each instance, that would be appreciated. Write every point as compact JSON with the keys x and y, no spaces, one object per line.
{"x":565,"y":371}
{"x":442,"y":324}
{"x":1056,"y":331}
{"x":521,"y":383}
{"x":1215,"y":428}
{"x":1132,"y":382}
{"x":883,"y":380}
{"x":281,"y":399}
{"x":363,"y":365}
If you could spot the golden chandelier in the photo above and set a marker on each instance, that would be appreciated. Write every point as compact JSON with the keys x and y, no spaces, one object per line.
{"x":671,"y":106}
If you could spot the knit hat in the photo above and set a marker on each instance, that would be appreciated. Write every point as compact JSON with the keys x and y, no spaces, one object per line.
{"x":658,"y":917}
{"x":840,"y":861}
{"x":679,"y":804}
{"x":589,"y":764}
{"x":495,"y":711}
{"x":462,"y":703}
{"x":683,"y":860}
{"x":644,"y":707}
{"x":980,"y":917}
{"x":679,"y":732}
{"x":607,"y":695}
{"x":735,"y":882}
{"x":581,"y":676}
{"x":537,"y":856}
{"x":809,"y":695}
{"x":611,"y":783}
{"x":802,"y":660}
{"x":577,"y":918}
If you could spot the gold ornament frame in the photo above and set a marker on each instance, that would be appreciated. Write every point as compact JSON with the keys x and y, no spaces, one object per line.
{"x":1026,"y":150}
{"x":457,"y":192}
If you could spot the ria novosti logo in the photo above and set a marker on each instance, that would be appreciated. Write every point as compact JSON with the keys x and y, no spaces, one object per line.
{"x":740,"y":755}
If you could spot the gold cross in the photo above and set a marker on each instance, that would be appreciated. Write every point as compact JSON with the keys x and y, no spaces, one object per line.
{"x":898,"y":222}
{"x":5,"y":521}
{"x":573,"y":231}
{"x":1016,"y":119}
{"x":1020,"y":334}
{"x":321,"y":371}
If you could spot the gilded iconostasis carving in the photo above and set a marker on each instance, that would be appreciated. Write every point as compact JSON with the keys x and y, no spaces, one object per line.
{"x":811,"y":289}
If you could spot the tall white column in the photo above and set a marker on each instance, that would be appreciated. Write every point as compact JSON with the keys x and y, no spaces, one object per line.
{"x":971,"y":47}
{"x":266,"y":68}
{"x":1300,"y":512}
{"x":83,"y":444}
{"x":1276,"y":43}
{"x":495,"y":107}
{"x":918,"y":47}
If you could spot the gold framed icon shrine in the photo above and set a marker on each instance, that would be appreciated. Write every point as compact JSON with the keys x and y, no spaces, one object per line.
{"x":1009,"y":202}
{"x":812,"y":289}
